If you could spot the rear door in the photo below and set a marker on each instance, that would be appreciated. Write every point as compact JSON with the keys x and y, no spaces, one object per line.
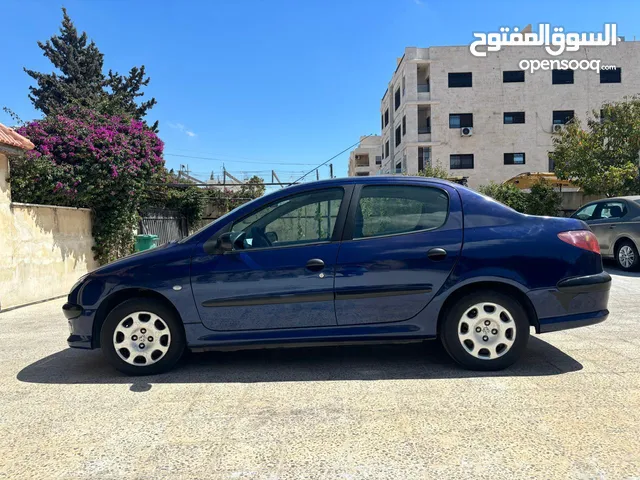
{"x":400,"y":244}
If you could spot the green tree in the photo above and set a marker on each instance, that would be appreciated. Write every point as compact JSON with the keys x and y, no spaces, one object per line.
{"x":506,"y":193}
{"x":603,"y":157}
{"x":543,"y":199}
{"x":432,"y":171}
{"x":81,"y":81}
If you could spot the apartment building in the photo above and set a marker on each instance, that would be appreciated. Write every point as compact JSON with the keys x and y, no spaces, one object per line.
{"x":484,"y":117}
{"x":366,"y":160}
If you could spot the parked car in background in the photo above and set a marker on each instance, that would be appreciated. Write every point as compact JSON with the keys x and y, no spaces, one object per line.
{"x":360,"y":259}
{"x":616,"y":224}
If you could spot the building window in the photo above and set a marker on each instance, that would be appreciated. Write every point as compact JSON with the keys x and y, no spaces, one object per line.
{"x":386,"y":149}
{"x":552,"y":164}
{"x":403,"y":85}
{"x":611,"y":76}
{"x":513,"y":76}
{"x":514,"y":158}
{"x":513,"y":117}
{"x":404,"y":125}
{"x":399,"y":167}
{"x":424,"y":158}
{"x":460,"y":120}
{"x":398,"y":135}
{"x":562,"y":117}
{"x":459,"y":162}
{"x":460,"y":80}
{"x":386,"y":117}
{"x":381,"y":121}
{"x":397,"y":98}
{"x":378,"y":160}
{"x":562,"y":77}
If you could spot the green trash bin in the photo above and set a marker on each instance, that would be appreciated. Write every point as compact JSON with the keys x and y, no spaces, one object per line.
{"x":145,"y":242}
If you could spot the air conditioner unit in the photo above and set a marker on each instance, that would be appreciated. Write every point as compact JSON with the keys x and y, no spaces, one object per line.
{"x":557,"y":128}
{"x":466,"y":131}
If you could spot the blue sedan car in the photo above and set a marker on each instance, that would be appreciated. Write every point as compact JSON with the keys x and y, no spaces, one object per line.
{"x":348,"y":260}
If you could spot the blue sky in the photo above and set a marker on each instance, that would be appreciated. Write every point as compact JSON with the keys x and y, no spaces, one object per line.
{"x":259,"y":85}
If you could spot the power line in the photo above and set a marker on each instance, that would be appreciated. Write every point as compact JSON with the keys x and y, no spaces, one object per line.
{"x":234,"y":161}
{"x":336,"y":155}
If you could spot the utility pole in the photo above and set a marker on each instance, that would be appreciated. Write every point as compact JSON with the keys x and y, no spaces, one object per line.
{"x":317,"y":174}
{"x":331,"y":170}
{"x":275,"y":176}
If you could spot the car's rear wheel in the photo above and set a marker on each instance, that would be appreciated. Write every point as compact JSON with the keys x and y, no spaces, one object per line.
{"x":142,"y":337}
{"x":486,"y":330}
{"x":627,"y":257}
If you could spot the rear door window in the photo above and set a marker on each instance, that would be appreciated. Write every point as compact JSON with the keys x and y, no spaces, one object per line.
{"x":392,"y":210}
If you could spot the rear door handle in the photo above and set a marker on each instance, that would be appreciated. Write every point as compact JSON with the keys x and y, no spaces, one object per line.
{"x":612,"y":226}
{"x":315,"y":264}
{"x":437,"y":254}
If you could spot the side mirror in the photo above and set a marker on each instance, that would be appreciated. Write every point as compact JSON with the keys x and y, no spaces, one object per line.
{"x":225,"y":242}
{"x":272,"y":236}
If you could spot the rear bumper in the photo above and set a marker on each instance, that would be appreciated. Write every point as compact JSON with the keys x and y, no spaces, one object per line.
{"x":574,"y":302}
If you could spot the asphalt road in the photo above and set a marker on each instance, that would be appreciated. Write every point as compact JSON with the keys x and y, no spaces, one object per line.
{"x":569,"y":409}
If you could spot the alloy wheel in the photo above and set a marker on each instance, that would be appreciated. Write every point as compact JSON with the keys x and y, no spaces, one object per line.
{"x":487,"y":330}
{"x":141,"y":338}
{"x":626,"y":256}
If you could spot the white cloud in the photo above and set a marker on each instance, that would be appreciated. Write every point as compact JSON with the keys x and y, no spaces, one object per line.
{"x":182,"y":128}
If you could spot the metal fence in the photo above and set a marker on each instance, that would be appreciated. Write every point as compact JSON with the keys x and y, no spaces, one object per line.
{"x":168,"y":225}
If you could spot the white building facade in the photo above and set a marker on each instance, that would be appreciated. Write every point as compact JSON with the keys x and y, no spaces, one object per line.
{"x":484,"y":117}
{"x":366,"y":159}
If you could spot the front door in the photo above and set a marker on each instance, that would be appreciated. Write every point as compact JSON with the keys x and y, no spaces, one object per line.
{"x":280,"y":273}
{"x":401,"y":243}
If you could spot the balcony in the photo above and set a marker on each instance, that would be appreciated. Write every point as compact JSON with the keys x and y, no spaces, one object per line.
{"x":424,"y":92}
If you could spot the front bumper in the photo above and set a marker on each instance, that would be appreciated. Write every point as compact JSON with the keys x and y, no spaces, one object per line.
{"x":574,"y":302}
{"x":80,"y":326}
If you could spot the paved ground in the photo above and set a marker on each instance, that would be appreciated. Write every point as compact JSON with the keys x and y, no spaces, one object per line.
{"x":569,"y":409}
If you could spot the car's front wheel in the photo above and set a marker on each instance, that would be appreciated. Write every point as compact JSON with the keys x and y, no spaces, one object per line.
{"x":485,"y":331}
{"x":142,"y":337}
{"x":627,"y":255}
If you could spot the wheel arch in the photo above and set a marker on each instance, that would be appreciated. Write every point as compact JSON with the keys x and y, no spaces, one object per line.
{"x":120,"y":296}
{"x":621,"y":239}
{"x":493,"y":285}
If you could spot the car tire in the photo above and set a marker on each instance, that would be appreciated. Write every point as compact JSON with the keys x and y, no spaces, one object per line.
{"x":627,"y":257}
{"x":485,"y":330}
{"x":142,"y":337}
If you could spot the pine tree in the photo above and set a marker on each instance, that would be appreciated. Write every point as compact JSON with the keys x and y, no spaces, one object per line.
{"x":79,"y":62}
{"x":82,"y":81}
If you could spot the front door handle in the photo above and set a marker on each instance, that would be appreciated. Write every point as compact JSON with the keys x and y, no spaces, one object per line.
{"x":315,"y":265}
{"x":612,"y":226}
{"x":437,"y":254}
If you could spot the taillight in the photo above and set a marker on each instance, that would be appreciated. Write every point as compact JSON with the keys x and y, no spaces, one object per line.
{"x":584,"y":239}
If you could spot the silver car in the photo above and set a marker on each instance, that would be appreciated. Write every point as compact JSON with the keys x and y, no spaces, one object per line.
{"x":616,"y":224}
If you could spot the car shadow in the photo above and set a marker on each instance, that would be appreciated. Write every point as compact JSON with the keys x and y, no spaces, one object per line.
{"x":362,"y":362}
{"x":611,"y":268}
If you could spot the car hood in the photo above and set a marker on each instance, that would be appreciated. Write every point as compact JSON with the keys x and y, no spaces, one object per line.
{"x":145,"y":257}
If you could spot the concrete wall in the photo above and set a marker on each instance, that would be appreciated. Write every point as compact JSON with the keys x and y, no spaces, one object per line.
{"x":43,"y":249}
